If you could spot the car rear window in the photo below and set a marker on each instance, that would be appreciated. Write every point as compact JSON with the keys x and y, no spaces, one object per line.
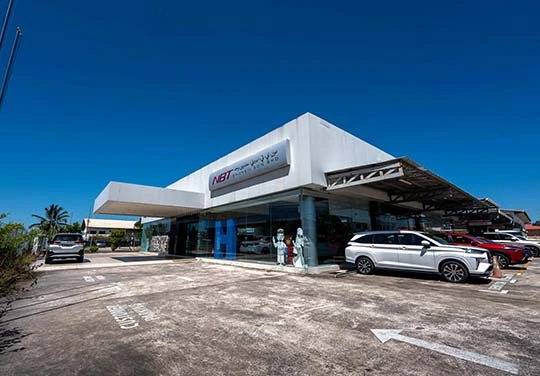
{"x":68,"y":238}
{"x":364,"y":239}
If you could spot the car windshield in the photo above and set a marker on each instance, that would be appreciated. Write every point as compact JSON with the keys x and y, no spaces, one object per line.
{"x":436,"y":238}
{"x":67,"y":238}
{"x":485,"y":241}
{"x":520,"y":237}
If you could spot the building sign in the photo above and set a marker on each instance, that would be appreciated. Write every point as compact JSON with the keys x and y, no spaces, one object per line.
{"x":267,"y":160}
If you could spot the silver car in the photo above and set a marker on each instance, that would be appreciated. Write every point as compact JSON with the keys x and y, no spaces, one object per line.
{"x":416,"y":251}
{"x":65,"y":245}
{"x":507,"y":238}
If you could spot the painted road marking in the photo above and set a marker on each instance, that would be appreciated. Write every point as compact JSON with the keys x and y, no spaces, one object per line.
{"x":88,"y":278}
{"x":122,"y":317}
{"x":143,"y":312}
{"x":498,"y":286}
{"x":112,"y":288}
{"x":100,"y":277}
{"x":127,"y":316}
{"x":513,"y":281}
{"x":386,"y":335}
{"x":186,"y":279}
{"x":495,"y":292}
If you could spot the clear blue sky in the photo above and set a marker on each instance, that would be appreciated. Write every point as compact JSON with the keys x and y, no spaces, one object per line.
{"x":148,"y":91}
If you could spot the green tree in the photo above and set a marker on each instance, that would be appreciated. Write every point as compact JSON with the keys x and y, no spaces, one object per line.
{"x":74,"y":227}
{"x":55,"y":217}
{"x":116,"y":238}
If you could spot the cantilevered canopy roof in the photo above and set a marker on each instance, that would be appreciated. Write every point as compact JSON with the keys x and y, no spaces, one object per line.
{"x":146,"y":201}
{"x":404,"y":181}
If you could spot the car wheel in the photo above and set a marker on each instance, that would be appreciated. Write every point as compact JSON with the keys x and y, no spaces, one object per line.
{"x":364,"y":265}
{"x":80,"y":259}
{"x":454,"y":271}
{"x":535,"y":251}
{"x":503,"y":261}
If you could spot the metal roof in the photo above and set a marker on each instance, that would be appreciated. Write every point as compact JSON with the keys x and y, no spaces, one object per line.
{"x":404,"y":181}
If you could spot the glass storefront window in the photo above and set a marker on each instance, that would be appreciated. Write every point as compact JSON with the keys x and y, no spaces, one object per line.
{"x":245,"y":230}
{"x":338,"y":218}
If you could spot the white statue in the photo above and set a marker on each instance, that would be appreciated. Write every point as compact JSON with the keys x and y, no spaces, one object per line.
{"x":281,"y":247}
{"x":298,"y":244}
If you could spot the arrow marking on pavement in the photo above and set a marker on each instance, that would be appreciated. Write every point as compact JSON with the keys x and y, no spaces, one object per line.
{"x":385,"y":335}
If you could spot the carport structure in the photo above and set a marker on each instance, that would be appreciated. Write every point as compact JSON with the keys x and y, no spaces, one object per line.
{"x":405,"y":183}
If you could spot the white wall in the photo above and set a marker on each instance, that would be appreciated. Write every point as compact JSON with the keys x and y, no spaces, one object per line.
{"x":316,"y":147}
{"x":334,"y":149}
{"x":299,"y":174}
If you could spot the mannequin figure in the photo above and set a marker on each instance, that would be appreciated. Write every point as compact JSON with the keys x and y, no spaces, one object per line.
{"x":298,"y":244}
{"x":281,"y":247}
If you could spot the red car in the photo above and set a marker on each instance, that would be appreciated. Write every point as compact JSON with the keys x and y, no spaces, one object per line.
{"x":506,"y":254}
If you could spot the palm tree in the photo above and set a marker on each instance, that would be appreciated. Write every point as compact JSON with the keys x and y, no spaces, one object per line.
{"x":55,"y":217}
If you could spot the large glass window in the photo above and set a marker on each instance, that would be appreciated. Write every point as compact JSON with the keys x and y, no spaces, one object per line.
{"x":253,"y":224}
{"x":338,"y":219}
{"x":246,"y":230}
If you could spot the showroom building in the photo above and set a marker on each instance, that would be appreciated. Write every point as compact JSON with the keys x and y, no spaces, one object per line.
{"x":307,"y":174}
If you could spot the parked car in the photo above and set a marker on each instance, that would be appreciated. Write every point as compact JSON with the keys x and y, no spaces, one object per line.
{"x":506,"y":238}
{"x":102,"y":243}
{"x":416,"y":251}
{"x":65,"y":245}
{"x":518,"y":233}
{"x":507,"y":254}
{"x":256,"y":245}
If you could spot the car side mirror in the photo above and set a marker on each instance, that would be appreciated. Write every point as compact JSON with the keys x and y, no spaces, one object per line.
{"x":474,"y":243}
{"x":426,"y":244}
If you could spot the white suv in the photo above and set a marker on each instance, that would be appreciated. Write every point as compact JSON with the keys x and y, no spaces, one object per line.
{"x":65,"y":245}
{"x":416,"y":251}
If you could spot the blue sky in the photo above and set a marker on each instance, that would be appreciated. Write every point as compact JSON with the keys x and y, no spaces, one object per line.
{"x":147,"y":91}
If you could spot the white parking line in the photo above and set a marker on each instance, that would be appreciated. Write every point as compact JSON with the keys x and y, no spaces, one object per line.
{"x":186,"y":279}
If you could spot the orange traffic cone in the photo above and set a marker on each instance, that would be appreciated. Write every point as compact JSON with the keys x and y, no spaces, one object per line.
{"x":496,"y":272}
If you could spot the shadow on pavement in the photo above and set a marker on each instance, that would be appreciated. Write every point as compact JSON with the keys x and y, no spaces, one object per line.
{"x":413,"y":275}
{"x":515,"y":267}
{"x":67,"y":261}
{"x":10,"y":339}
{"x":142,"y":258}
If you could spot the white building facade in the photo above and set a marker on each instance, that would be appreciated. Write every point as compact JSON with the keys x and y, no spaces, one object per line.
{"x":306,"y":174}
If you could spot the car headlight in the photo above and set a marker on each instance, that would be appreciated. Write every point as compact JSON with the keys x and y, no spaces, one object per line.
{"x":475,"y":251}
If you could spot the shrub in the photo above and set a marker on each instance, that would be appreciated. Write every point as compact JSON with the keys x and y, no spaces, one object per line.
{"x":93,"y":249}
{"x":116,"y":238}
{"x":16,"y":262}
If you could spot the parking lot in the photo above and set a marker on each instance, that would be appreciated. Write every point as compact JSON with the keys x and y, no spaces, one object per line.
{"x":188,"y":317}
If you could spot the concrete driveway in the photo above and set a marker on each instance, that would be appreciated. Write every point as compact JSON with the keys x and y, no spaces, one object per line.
{"x":105,"y":259}
{"x":197,"y":318}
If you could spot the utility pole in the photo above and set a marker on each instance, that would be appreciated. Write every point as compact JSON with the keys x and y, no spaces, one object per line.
{"x":18,"y":35}
{"x":4,"y":25}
